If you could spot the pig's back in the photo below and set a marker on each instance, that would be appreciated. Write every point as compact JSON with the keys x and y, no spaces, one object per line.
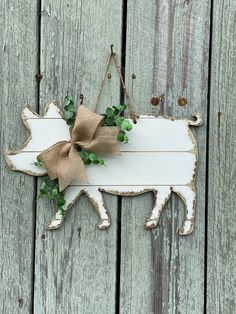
{"x":161,"y":151}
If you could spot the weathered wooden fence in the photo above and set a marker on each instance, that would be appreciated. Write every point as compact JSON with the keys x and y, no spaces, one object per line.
{"x":177,"y":48}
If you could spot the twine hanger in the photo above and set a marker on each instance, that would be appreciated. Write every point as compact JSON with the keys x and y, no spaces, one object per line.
{"x":133,"y":115}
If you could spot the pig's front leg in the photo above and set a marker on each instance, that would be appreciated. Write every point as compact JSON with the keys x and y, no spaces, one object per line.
{"x":96,"y":199}
{"x":71,"y":195}
{"x":162,"y":194}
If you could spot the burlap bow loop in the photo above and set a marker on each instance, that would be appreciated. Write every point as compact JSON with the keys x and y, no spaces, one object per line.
{"x":62,"y":160}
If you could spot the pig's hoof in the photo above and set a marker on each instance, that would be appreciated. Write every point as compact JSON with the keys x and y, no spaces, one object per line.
{"x":56,"y":221}
{"x":150,"y":223}
{"x":104,"y":224}
{"x":54,"y":224}
{"x":187,"y":228}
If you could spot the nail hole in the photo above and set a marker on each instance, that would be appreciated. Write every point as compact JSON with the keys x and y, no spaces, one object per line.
{"x":79,"y":231}
{"x":21,"y":301}
{"x":43,"y":237}
{"x":109,"y":76}
{"x":162,"y":98}
{"x":155,"y":101}
{"x":133,"y":76}
{"x":182,"y":101}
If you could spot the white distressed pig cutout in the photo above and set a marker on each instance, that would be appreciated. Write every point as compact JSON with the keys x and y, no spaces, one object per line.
{"x":161,"y":157}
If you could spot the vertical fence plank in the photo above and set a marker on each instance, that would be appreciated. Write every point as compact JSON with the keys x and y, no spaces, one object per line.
{"x":221,"y":274}
{"x":167,"y":50}
{"x":18,"y":67}
{"x":76,"y":265}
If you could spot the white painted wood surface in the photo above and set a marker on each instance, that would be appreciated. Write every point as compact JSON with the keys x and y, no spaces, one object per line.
{"x":158,"y":167}
{"x":161,"y":150}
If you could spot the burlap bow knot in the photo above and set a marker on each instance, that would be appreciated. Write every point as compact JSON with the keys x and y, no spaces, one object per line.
{"x":62,"y":159}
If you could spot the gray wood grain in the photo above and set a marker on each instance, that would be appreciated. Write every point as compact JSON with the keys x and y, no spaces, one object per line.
{"x":18,"y":67}
{"x":167,"y":50}
{"x":221,"y":270}
{"x":75,"y":267}
{"x":77,"y":273}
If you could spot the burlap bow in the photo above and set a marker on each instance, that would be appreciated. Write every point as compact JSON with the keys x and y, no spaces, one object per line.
{"x":62,"y":160}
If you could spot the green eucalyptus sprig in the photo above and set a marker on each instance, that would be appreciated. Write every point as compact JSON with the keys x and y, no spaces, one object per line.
{"x":50,"y":189}
{"x":113,"y":118}
{"x":69,"y":107}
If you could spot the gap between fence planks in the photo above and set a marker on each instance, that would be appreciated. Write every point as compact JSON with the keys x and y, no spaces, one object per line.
{"x":167,"y":53}
{"x":75,"y":269}
{"x":221,"y":244}
{"x":18,"y":67}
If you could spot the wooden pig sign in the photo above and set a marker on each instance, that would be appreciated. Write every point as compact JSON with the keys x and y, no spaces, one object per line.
{"x":161,"y":157}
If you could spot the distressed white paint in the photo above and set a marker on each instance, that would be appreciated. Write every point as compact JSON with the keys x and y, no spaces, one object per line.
{"x":161,"y":157}
{"x":131,"y":168}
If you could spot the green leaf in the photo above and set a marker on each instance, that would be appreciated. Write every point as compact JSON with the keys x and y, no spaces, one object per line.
{"x":116,"y":110}
{"x":82,"y":154}
{"x":69,"y":98}
{"x":92,"y":156}
{"x":109,"y":112}
{"x":124,"y":107}
{"x":119,"y":121}
{"x":49,"y":182}
{"x":70,"y":107}
{"x":110,"y":121}
{"x":60,"y":202}
{"x":69,"y":114}
{"x":43,"y":185}
{"x":38,"y":163}
{"x":96,"y":161}
{"x":120,"y":137}
{"x":126,"y":139}
{"x":87,"y":161}
{"x":122,"y":132}
{"x":102,"y":162}
{"x":126,"y":125}
{"x":70,"y":121}
{"x":55,"y":192}
{"x":42,"y":191}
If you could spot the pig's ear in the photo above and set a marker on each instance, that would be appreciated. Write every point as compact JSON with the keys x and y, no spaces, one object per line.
{"x":53,"y":111}
{"x":28,"y":113}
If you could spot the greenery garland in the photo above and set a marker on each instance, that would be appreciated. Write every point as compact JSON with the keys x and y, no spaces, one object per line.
{"x":113,"y":117}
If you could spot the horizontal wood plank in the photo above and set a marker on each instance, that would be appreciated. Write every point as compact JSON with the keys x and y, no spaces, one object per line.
{"x":131,"y":168}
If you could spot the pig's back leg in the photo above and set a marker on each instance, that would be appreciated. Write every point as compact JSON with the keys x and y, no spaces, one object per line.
{"x":188,"y":195}
{"x":96,"y":198}
{"x":162,"y":194}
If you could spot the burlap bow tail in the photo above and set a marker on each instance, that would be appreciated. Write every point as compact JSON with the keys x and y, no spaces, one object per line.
{"x":63,"y":161}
